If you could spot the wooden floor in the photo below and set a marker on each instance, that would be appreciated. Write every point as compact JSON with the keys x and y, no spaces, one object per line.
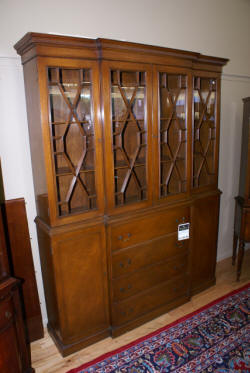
{"x":46,"y":358}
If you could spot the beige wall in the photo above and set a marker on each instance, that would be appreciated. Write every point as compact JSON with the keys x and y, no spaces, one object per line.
{"x":215,"y":27}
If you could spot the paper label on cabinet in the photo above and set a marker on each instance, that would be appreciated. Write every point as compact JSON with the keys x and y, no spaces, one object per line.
{"x":183,"y":231}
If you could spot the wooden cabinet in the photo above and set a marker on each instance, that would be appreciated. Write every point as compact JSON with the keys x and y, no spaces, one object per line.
{"x":242,"y":201}
{"x":14,"y":351}
{"x":124,"y":143}
{"x":14,"y":348}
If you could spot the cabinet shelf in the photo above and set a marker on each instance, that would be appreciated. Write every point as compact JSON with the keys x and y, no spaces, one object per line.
{"x":64,"y":171}
{"x":123,"y":165}
{"x":71,"y":122}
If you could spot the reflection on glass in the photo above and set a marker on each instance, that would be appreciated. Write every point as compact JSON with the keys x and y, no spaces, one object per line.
{"x":72,"y":135}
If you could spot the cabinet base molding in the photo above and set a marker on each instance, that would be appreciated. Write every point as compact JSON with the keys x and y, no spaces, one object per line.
{"x":203,"y":286}
{"x":67,"y":349}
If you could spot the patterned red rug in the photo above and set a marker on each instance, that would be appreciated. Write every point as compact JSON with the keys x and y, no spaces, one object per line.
{"x":215,"y":338}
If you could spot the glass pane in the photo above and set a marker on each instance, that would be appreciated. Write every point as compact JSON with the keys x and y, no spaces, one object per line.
{"x":128,"y":103}
{"x":72,"y":135}
{"x":204,"y":102}
{"x":173,"y":133}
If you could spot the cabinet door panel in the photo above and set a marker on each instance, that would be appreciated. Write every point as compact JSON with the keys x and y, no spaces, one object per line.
{"x":127,"y":109}
{"x":171,"y":132}
{"x":80,"y":267}
{"x":205,"y":130}
{"x":205,"y":215}
{"x":73,"y":133}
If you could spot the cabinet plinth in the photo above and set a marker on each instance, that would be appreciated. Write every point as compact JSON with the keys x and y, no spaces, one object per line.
{"x":124,"y":144}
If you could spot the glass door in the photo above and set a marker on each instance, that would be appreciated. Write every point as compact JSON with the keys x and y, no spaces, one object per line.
{"x":170,"y":133}
{"x":205,"y":129}
{"x":74,"y":134}
{"x":128,"y":135}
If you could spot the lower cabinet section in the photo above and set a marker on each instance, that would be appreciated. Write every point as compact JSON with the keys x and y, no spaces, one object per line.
{"x":103,"y":279}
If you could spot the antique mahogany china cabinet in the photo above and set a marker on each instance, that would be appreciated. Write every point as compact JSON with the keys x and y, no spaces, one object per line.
{"x":124,"y":143}
{"x":242,"y":201}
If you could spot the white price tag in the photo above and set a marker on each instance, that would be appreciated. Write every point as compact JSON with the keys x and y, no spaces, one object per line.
{"x":183,"y":231}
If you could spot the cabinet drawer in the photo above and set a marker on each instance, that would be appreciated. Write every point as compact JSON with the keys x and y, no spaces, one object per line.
{"x":127,"y":286}
{"x":136,"y":306}
{"x":133,"y":258}
{"x":6,"y":311}
{"x":147,"y":228}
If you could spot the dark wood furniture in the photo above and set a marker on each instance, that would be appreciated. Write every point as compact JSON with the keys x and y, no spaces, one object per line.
{"x":22,"y":265}
{"x":124,"y":142}
{"x":242,"y":201}
{"x":14,"y":348}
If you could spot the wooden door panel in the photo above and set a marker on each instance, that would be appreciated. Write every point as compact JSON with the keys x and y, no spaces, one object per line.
{"x":80,"y":266}
{"x":205,"y":215}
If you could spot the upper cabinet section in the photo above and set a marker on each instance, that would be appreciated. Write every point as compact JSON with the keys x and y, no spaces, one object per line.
{"x":136,"y":123}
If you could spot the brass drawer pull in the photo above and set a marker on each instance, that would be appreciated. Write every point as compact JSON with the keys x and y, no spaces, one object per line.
{"x":179,"y":244}
{"x":121,"y":265}
{"x":120,"y":238}
{"x":122,"y":290}
{"x":128,"y":237}
{"x":8,"y":315}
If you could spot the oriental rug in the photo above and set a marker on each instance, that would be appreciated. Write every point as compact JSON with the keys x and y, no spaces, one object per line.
{"x":215,"y":338}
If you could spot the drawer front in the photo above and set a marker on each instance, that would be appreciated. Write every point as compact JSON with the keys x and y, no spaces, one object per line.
{"x":6,"y":311}
{"x":127,"y":286}
{"x":132,"y":259}
{"x":147,"y":228}
{"x":134,"y":307}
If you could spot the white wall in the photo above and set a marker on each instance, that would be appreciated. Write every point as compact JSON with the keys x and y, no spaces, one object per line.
{"x":215,"y":27}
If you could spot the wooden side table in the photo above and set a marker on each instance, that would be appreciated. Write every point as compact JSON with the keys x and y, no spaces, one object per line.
{"x":241,"y":232}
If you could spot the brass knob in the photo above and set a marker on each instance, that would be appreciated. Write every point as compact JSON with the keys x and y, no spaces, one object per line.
{"x":8,"y":315}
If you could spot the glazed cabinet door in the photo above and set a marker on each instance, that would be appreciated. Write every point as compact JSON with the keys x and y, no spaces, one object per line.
{"x":72,"y":139}
{"x":172,"y":130}
{"x":127,"y":95}
{"x":206,"y":118}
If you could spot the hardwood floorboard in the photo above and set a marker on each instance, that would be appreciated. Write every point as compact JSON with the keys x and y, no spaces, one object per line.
{"x":46,"y":358}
